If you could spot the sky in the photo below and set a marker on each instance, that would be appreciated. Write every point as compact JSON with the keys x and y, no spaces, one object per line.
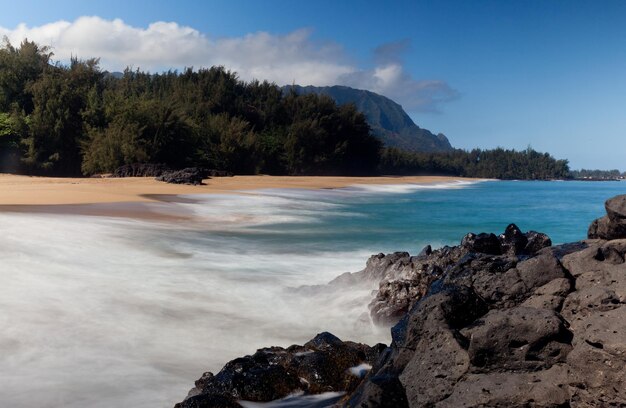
{"x":550,"y":74}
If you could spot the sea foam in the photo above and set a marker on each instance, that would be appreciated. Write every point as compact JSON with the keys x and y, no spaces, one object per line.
{"x":104,"y":312}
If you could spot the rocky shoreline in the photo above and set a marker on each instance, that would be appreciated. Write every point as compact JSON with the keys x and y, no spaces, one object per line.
{"x":498,"y":321}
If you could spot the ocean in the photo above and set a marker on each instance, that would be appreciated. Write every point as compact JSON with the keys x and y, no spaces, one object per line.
{"x":108,"y":312}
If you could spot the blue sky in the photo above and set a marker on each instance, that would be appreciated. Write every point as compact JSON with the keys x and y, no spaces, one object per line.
{"x":551,"y":74}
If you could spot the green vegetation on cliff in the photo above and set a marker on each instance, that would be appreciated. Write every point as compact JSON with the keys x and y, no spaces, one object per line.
{"x":389,"y":122}
{"x":76,"y":119}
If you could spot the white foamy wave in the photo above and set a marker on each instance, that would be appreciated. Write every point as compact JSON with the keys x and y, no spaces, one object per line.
{"x":299,"y":400}
{"x":105,"y":312}
{"x":262,"y":208}
{"x":406,"y":188}
{"x":360,"y":370}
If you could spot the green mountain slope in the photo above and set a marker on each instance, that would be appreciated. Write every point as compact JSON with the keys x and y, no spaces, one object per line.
{"x":389,"y":122}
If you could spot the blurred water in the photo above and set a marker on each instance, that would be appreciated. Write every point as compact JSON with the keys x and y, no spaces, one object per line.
{"x":107,"y":312}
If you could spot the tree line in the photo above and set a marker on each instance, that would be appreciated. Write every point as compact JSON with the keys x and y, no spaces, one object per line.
{"x":598,"y":174}
{"x":76,"y":119}
{"x":497,"y":163}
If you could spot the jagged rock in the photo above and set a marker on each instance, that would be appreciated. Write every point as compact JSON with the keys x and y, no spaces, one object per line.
{"x":522,"y":326}
{"x":191,"y":175}
{"x":536,"y":241}
{"x":380,"y":391}
{"x":209,"y":401}
{"x":513,"y":241}
{"x":323,"y":364}
{"x":404,"y":279}
{"x":521,"y":338}
{"x":482,"y":243}
{"x":140,"y":170}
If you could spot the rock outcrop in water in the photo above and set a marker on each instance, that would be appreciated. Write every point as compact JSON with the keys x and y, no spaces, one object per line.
{"x":323,"y":364}
{"x":498,"y":321}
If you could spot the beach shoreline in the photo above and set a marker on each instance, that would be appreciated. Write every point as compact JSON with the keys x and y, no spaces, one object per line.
{"x":133,"y":196}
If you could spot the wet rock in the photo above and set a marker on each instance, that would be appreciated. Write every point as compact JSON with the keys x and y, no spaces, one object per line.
{"x":380,"y":391}
{"x":513,"y":240}
{"x":321,"y":365}
{"x":483,"y":258}
{"x":394,"y":298}
{"x":209,"y":401}
{"x":482,"y":243}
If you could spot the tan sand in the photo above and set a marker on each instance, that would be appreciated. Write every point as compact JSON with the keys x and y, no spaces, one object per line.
{"x":145,"y":198}
{"x":26,"y":190}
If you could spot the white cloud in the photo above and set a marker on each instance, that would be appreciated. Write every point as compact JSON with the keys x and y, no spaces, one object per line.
{"x":284,"y":59}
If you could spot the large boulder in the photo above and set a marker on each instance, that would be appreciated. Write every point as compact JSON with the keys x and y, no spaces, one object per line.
{"x":612,"y":225}
{"x":323,"y":364}
{"x":521,"y":338}
{"x":616,"y":208}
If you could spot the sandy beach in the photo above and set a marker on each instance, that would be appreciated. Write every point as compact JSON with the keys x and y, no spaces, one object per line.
{"x":47,"y":191}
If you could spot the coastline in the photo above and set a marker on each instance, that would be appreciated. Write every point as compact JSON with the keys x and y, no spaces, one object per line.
{"x":135,"y":197}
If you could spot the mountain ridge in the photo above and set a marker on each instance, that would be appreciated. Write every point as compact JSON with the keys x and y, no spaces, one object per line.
{"x":388,"y":120}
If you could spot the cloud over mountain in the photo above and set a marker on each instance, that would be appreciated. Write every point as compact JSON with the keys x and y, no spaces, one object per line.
{"x":291,"y":58}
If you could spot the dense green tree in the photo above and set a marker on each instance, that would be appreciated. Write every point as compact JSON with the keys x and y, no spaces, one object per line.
{"x":68,"y":120}
{"x":19,"y":68}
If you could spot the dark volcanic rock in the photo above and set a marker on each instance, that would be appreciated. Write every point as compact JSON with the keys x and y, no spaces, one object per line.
{"x":613,"y":225}
{"x":536,"y":241}
{"x":521,"y":324}
{"x":404,"y":279}
{"x":321,"y":365}
{"x":521,"y":338}
{"x":191,"y":175}
{"x":209,"y":401}
{"x":604,"y":228}
{"x":482,"y":243}
{"x":513,"y":241}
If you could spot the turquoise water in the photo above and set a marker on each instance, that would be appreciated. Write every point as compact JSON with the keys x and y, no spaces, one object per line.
{"x":93,"y":300}
{"x":389,"y":219}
